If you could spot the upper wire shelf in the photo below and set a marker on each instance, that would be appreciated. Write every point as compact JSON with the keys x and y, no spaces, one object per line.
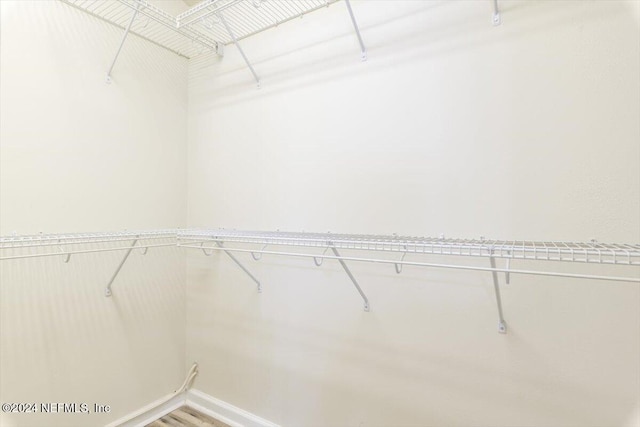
{"x":244,"y":17}
{"x":200,"y":28}
{"x":151,"y":23}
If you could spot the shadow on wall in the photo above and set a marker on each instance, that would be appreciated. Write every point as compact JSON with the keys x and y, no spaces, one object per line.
{"x":414,"y":34}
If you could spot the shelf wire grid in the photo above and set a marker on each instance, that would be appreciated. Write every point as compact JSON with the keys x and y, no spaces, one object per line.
{"x":245,"y":17}
{"x":65,"y":245}
{"x":152,"y":24}
{"x":593,"y":252}
{"x":198,"y":29}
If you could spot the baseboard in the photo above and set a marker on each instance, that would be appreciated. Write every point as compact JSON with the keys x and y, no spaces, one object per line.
{"x":224,"y":411}
{"x":209,"y":405}
{"x":151,"y":412}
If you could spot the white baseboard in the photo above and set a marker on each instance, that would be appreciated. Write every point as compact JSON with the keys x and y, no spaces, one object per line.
{"x":151,"y":412}
{"x":224,"y":411}
{"x":197,"y":400}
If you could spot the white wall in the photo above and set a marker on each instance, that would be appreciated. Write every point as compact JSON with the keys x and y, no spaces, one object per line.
{"x":77,"y":154}
{"x":528,"y":130}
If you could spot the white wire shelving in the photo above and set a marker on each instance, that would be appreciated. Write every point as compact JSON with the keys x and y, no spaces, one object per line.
{"x":245,"y":17}
{"x":66,"y":245}
{"x":593,"y":252}
{"x":328,"y":246}
{"x":150,"y":23}
{"x":210,"y":24}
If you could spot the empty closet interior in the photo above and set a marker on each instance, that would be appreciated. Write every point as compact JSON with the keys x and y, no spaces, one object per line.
{"x":320,"y":212}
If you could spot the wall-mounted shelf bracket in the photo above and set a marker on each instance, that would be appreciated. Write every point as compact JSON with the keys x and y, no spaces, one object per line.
{"x":107,"y":291}
{"x":363,"y":50}
{"x":235,"y":41}
{"x":502,"y":325}
{"x":496,"y":14}
{"x":220,"y":245}
{"x":124,"y":37}
{"x":353,"y":279}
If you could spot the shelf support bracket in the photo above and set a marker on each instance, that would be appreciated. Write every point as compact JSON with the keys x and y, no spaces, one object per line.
{"x":107,"y":291}
{"x":353,"y":279}
{"x":496,"y":14}
{"x":363,"y":49}
{"x":235,"y":41}
{"x":220,"y":245}
{"x":502,"y":325}
{"x":124,"y":37}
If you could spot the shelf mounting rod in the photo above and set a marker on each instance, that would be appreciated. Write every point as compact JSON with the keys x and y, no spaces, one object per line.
{"x":353,"y":279}
{"x":502,"y":325}
{"x":235,"y":41}
{"x":220,"y":245}
{"x":124,"y":37}
{"x":363,"y":50}
{"x":107,"y":291}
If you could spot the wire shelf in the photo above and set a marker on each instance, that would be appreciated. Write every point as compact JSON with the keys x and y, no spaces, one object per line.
{"x":598,"y":253}
{"x":47,"y":240}
{"x":592,"y":252}
{"x":199,"y":29}
{"x":256,"y":243}
{"x":245,"y":17}
{"x":152,"y":24}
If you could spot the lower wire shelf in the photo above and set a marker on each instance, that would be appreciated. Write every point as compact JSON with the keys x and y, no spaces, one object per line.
{"x":321,"y":246}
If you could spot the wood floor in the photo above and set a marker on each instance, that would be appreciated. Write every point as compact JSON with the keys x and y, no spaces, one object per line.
{"x":187,"y":417}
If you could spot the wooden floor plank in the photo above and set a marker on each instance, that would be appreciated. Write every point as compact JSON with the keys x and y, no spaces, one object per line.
{"x":187,"y":417}
{"x":203,"y":417}
{"x":172,"y":421}
{"x":159,"y":423}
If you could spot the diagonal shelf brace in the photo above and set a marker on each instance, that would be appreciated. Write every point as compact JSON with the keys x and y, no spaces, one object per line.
{"x":363,"y":49}
{"x":235,"y":41}
{"x":107,"y":291}
{"x":124,"y":37}
{"x":502,"y":325}
{"x":353,"y":279}
{"x":220,"y":245}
